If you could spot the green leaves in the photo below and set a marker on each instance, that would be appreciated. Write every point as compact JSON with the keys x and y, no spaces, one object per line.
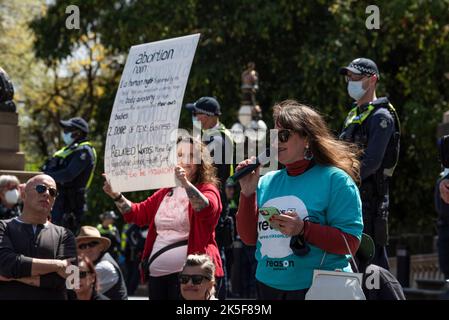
{"x":297,"y":47}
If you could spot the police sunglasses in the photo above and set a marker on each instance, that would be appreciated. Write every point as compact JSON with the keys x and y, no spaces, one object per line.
{"x":357,"y":77}
{"x":196,"y":278}
{"x":91,"y":244}
{"x":285,"y":134}
{"x":40,"y":188}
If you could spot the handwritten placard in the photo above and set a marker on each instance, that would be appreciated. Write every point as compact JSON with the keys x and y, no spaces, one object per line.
{"x":141,"y":138}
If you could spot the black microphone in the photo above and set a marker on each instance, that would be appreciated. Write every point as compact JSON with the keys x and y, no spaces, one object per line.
{"x":261,"y":159}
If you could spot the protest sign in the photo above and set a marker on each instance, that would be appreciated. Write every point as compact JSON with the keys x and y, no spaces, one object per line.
{"x":140,"y":152}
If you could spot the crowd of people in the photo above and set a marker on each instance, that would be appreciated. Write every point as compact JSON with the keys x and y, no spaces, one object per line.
{"x":212,"y":237}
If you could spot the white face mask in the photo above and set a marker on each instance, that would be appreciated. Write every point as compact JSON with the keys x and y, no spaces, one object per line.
{"x":12,"y":196}
{"x":196,"y":122}
{"x":67,"y":137}
{"x":355,"y":90}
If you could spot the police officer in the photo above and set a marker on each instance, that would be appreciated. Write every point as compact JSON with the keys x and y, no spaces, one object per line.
{"x":109,"y":230}
{"x":72,"y":167}
{"x":218,"y":138}
{"x":373,"y":125}
{"x":133,"y":243}
{"x":215,"y":135}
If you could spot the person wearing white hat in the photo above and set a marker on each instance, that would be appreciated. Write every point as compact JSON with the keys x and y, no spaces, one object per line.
{"x":111,"y":282}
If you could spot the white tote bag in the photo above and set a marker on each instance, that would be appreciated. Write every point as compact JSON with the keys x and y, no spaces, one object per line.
{"x":336,"y":285}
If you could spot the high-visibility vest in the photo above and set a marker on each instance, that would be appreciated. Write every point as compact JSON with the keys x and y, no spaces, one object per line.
{"x":68,"y":150}
{"x":355,"y":119}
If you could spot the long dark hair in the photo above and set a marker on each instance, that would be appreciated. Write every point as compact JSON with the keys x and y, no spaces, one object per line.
{"x":326,"y":149}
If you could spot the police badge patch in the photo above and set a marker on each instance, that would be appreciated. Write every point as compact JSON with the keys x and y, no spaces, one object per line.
{"x":383,"y":123}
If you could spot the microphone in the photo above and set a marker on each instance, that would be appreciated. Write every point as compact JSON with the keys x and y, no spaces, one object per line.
{"x":261,"y":159}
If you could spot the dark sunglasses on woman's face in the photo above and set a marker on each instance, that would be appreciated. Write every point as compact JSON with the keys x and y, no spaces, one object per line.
{"x":196,"y":278}
{"x":91,"y":244}
{"x":284,"y":135}
{"x":40,"y":188}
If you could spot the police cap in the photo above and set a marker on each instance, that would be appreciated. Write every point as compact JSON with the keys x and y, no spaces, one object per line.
{"x":361,"y":66}
{"x":75,"y":123}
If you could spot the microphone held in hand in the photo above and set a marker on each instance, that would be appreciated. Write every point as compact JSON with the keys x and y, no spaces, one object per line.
{"x":261,"y":159}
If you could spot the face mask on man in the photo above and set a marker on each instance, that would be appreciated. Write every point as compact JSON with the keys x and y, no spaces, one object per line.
{"x":355,"y":90}
{"x":196,"y":122}
{"x":12,"y":196}
{"x":67,"y":137}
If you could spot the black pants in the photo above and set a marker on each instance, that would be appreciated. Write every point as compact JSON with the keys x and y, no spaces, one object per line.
{"x":380,"y":257}
{"x":164,"y":288}
{"x":221,"y":283}
{"x":132,"y":276}
{"x":443,"y":248}
{"x":68,"y":210}
{"x":265,"y":292}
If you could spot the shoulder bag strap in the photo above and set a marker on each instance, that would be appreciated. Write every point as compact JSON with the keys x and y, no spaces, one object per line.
{"x":164,"y":249}
{"x":352,"y":256}
{"x":349,"y":251}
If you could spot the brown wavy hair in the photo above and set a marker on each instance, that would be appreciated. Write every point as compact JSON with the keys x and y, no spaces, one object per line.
{"x":207,"y":172}
{"x":326,"y":149}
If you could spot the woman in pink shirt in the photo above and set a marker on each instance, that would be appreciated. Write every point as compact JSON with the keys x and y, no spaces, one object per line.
{"x":181,"y":220}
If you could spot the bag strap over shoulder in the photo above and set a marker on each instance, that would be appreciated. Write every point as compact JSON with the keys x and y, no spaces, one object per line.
{"x":349,"y":251}
{"x":164,"y":249}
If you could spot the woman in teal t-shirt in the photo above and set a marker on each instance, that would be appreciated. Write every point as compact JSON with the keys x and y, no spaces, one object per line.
{"x":318,"y":202}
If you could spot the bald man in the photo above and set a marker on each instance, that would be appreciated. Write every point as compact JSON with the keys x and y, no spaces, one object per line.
{"x":34,"y":253}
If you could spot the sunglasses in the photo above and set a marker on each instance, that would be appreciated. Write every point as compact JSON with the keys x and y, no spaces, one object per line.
{"x":91,"y":244}
{"x":357,"y":77}
{"x":196,"y":278}
{"x":285,"y":134}
{"x":84,"y":274}
{"x":40,"y":188}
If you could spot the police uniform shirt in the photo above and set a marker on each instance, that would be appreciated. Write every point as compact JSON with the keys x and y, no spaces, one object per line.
{"x":379,"y":127}
{"x":220,"y":147}
{"x":74,"y":172}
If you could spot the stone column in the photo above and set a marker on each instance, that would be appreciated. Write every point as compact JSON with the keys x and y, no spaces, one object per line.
{"x":12,"y":161}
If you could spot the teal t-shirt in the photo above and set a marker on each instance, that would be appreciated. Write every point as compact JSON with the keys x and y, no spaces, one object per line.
{"x":327,"y":195}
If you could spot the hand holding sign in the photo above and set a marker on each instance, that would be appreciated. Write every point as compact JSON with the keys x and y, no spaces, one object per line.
{"x":144,"y":120}
{"x":182,"y":176}
{"x":107,"y":188}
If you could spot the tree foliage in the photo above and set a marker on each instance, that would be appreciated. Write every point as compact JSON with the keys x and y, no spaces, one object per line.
{"x":298,"y":47}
